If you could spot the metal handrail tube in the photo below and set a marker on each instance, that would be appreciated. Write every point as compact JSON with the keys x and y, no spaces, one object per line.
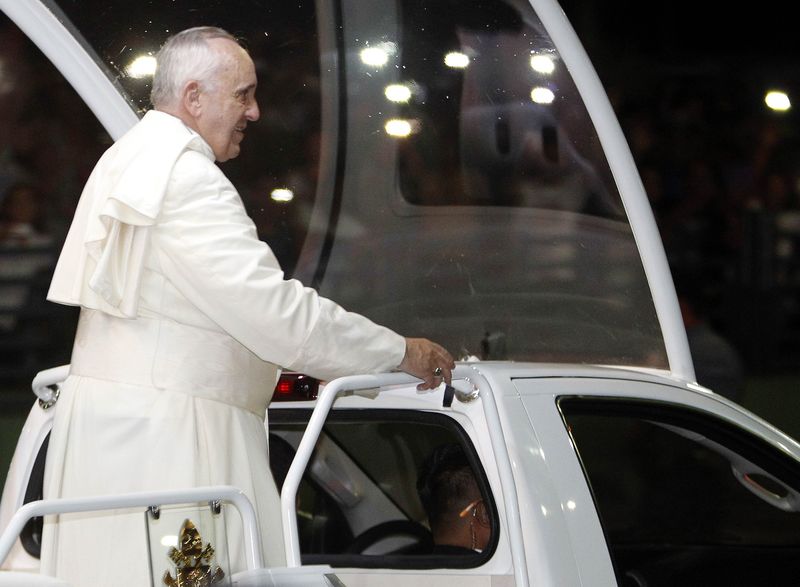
{"x":324,"y":402}
{"x":227,"y":493}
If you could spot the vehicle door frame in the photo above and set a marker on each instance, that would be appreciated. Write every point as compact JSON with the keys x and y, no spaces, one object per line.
{"x":540,"y":395}
{"x":473,"y":415}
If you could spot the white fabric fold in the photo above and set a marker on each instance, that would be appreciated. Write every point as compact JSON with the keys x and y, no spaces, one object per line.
{"x":101,"y":264}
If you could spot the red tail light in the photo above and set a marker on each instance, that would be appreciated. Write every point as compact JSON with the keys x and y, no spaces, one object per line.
{"x":294,"y":387}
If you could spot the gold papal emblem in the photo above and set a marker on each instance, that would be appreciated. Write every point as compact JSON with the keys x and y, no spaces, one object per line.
{"x":193,"y":561}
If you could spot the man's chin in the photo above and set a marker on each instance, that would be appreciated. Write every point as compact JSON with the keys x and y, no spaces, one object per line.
{"x":233,"y":153}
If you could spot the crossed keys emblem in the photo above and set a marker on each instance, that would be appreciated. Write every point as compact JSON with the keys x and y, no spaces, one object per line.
{"x":193,"y":561}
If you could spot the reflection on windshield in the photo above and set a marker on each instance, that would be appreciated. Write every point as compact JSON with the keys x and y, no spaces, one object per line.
{"x":428,"y":164}
{"x":478,"y":208}
{"x":494,"y":116}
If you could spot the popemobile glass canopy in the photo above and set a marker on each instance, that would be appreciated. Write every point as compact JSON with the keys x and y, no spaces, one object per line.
{"x":451,"y":169}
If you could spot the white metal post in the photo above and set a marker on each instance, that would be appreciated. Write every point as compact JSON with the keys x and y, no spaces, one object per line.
{"x":319,"y":415}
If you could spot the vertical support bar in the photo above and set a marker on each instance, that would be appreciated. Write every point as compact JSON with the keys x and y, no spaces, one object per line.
{"x":292,"y":482}
{"x":631,"y":190}
{"x":320,"y":414}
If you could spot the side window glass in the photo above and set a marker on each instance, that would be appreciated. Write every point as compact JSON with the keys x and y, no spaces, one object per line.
{"x":49,"y":142}
{"x":389,"y":490}
{"x":687,"y":500}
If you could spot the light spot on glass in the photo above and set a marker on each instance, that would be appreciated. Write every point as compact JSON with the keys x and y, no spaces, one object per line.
{"x":456,"y":59}
{"x":169,"y":540}
{"x":777,"y":100}
{"x":141,"y":67}
{"x":374,"y":56}
{"x":397,"y":93}
{"x":282,"y":195}
{"x":542,"y":95}
{"x":543,"y":64}
{"x":398,"y":127}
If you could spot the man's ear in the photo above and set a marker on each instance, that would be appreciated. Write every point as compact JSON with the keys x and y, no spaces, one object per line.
{"x":190,"y":98}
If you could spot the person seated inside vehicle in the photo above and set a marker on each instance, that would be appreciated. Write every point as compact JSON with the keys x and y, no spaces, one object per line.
{"x":449,"y":492}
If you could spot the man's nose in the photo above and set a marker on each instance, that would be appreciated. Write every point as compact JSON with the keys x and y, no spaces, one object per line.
{"x":252,"y":113}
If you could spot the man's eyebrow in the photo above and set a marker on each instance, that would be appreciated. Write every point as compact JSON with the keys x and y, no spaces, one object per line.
{"x":245,"y":89}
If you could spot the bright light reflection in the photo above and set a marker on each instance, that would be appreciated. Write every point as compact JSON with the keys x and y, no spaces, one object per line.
{"x":374,"y":56}
{"x":777,"y":100}
{"x":456,"y":59}
{"x":398,"y":127}
{"x":142,"y":66}
{"x":542,"y":95}
{"x":168,"y":540}
{"x":397,"y":93}
{"x":542,"y":64}
{"x":570,"y":505}
{"x":282,"y":195}
{"x":544,"y":511}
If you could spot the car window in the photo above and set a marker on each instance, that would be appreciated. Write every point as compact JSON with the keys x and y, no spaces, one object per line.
{"x":363,"y":500}
{"x":685,"y":498}
{"x":49,"y":142}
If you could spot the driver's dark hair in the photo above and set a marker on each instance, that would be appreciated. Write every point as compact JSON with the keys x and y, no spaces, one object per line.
{"x":445,"y":483}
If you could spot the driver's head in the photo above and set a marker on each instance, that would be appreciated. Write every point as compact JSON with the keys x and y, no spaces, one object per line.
{"x":452,"y":499}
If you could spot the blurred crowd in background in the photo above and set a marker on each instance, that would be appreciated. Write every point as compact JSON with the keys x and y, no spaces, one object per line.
{"x":723,"y":184}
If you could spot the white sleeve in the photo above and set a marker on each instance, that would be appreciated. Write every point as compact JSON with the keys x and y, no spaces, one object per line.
{"x":209,"y":249}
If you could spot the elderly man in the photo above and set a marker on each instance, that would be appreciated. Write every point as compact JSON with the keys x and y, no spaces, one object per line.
{"x":186,"y":319}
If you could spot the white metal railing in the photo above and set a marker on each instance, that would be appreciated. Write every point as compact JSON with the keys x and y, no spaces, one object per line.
{"x":226,"y":493}
{"x":358,"y":382}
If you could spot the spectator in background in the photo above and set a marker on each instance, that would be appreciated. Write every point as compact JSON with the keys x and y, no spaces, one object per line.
{"x":717,"y":363}
{"x":22,"y":222}
{"x":27,"y":252}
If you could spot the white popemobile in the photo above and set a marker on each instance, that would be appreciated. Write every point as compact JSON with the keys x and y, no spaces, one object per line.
{"x":470,"y":183}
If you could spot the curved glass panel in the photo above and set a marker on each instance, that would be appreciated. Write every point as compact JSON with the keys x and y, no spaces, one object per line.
{"x":281,"y":150}
{"x":447,"y":180}
{"x":477,"y":207}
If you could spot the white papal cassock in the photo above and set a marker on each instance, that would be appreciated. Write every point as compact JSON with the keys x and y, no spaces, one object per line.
{"x":185,"y":320}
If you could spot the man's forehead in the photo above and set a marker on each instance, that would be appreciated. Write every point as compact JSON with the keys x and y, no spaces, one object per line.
{"x":231,"y":51}
{"x":236,"y":62}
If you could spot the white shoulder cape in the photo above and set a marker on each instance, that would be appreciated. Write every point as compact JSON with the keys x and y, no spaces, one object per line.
{"x":101,"y":264}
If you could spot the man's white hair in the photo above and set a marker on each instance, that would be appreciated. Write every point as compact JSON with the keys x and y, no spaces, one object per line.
{"x":186,"y":57}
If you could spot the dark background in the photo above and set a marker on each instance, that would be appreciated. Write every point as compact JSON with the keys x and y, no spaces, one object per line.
{"x":687,"y":81}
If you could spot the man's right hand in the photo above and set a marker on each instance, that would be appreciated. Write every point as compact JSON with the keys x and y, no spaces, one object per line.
{"x":428,"y":361}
